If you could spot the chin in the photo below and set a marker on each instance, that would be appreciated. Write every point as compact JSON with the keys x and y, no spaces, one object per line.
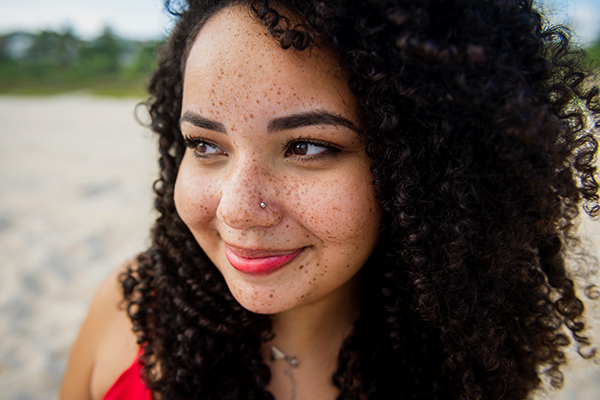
{"x":266,"y":307}
{"x":262,"y":300}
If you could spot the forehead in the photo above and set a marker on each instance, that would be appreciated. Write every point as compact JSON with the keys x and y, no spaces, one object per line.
{"x":234,"y":55}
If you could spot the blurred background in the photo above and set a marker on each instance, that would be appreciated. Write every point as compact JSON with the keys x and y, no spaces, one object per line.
{"x":76,"y":170}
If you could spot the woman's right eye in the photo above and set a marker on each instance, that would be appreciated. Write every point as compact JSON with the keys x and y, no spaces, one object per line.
{"x":203,"y":148}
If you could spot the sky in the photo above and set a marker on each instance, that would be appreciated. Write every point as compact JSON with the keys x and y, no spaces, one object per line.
{"x":146,"y":19}
{"x":132,"y":19}
{"x":581,"y":15}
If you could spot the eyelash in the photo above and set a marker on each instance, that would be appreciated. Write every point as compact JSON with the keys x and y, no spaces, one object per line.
{"x":332,"y":149}
{"x":194,"y":142}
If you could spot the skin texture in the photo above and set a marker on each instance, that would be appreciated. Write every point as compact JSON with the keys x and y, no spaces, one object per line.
{"x":321,"y":202}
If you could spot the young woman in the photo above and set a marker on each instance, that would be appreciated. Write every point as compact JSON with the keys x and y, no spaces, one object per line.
{"x":357,"y":200}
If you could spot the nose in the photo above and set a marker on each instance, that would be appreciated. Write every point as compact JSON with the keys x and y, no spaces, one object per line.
{"x":248,"y":198}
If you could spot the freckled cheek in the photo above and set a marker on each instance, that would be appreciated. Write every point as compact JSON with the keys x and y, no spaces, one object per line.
{"x":196,"y":199}
{"x":339,"y":214}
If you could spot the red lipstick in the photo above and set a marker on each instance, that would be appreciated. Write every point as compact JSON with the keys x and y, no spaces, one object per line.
{"x":259,"y":262}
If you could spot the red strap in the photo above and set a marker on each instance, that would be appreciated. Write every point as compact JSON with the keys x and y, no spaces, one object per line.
{"x":130,"y":385}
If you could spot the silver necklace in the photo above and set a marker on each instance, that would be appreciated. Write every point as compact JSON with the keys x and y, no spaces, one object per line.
{"x":276,"y":355}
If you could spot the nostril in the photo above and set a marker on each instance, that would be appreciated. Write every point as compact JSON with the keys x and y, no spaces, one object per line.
{"x":240,"y":213}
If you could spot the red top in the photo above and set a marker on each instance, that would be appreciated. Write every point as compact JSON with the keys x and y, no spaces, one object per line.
{"x":130,"y":385}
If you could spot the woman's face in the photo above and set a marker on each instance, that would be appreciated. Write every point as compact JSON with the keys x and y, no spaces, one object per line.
{"x":277,"y":127}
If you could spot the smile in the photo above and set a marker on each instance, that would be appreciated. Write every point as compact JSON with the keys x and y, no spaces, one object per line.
{"x":259,"y":262}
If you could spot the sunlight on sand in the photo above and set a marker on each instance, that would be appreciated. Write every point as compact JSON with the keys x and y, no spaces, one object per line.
{"x":75,"y":202}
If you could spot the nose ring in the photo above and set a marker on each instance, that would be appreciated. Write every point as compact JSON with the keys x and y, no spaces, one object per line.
{"x":262,"y":205}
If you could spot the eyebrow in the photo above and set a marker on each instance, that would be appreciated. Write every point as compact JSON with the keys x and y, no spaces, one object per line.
{"x":202,"y":122}
{"x":310,"y":118}
{"x":289,"y":122}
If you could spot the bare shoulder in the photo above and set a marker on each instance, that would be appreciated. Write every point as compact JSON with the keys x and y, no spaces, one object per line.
{"x":105,"y":345}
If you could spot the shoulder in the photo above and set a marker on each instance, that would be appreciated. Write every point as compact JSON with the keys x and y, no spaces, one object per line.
{"x":105,"y":345}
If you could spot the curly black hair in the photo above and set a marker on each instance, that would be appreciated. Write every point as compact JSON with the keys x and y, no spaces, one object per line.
{"x":479,"y":120}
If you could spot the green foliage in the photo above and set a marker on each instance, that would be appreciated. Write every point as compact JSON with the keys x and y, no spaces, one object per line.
{"x":593,"y":52}
{"x":54,"y":62}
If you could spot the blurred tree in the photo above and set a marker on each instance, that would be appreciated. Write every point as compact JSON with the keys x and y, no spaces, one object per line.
{"x":69,"y":46}
{"x":52,"y":62}
{"x":4,"y":52}
{"x":103,"y":55}
{"x":142,"y":60}
{"x":45,"y":48}
{"x":593,"y":52}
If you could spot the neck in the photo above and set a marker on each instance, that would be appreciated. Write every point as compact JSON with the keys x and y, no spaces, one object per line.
{"x":302,"y":328}
{"x":314,"y":334}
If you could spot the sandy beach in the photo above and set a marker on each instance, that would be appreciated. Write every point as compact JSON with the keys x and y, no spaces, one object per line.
{"x":75,"y":202}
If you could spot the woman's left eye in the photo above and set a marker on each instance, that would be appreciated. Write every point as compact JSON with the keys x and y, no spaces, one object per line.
{"x":309,"y":149}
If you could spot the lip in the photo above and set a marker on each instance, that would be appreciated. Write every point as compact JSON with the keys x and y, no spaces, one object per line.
{"x":259,"y":262}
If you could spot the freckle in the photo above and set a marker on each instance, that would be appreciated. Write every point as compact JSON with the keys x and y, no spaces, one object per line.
{"x":220,"y":103}
{"x":348,"y":266}
{"x":257,"y":101}
{"x":271,"y":295}
{"x":251,"y":115}
{"x":300,"y":267}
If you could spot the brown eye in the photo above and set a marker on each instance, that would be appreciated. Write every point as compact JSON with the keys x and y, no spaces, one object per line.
{"x":203,"y":148}
{"x":305,"y":149}
{"x":300,"y":149}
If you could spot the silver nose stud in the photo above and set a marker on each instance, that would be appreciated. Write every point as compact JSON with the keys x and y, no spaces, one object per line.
{"x":262,"y":205}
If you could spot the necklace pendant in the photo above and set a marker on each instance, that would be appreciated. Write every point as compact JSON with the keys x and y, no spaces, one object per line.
{"x":277,"y":354}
